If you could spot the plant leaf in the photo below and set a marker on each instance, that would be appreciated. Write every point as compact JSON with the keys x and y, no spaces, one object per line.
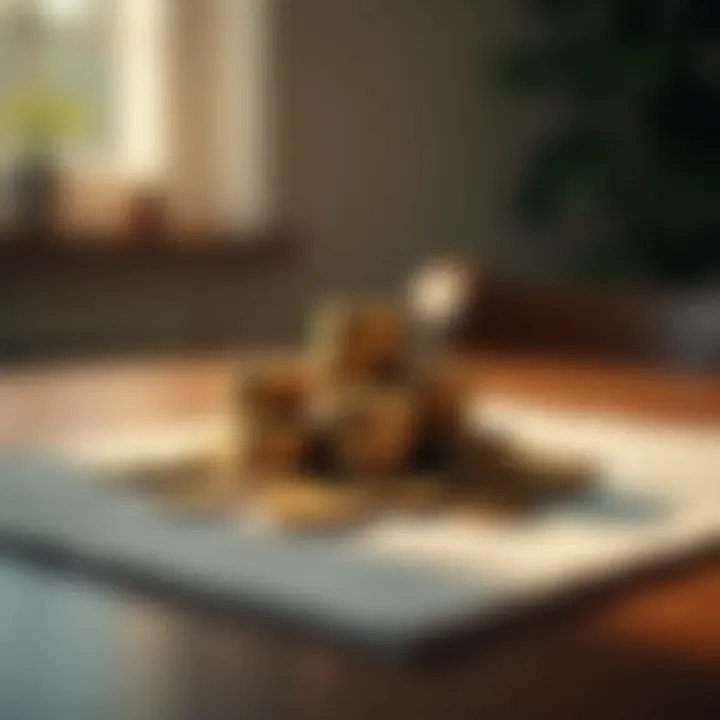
{"x":571,"y":173}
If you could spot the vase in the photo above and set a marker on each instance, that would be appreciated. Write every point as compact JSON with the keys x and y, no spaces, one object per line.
{"x":695,"y":334}
{"x":35,"y":197}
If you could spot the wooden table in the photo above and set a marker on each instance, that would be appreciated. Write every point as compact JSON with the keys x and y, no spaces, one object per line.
{"x":647,"y":651}
{"x":72,"y":650}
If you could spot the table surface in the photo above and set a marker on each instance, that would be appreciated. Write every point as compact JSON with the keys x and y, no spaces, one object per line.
{"x":73,"y":651}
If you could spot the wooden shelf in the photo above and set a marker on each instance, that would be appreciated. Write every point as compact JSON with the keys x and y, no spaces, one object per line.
{"x":167,"y":251}
{"x":72,"y":300}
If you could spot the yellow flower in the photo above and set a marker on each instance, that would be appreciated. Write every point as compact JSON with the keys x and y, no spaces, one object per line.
{"x":41,"y":116}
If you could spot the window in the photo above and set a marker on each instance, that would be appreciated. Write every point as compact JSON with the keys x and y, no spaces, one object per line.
{"x":136,"y":94}
{"x":56,"y":74}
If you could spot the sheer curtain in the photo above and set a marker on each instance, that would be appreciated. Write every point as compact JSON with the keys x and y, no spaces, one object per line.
{"x":222,"y":116}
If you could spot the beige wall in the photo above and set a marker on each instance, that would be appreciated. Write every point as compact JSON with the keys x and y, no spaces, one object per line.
{"x":393,"y":147}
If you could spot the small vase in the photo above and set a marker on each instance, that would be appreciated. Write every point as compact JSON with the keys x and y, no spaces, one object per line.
{"x":696,"y":331}
{"x":35,"y":197}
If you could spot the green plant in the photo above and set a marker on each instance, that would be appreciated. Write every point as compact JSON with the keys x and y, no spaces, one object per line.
{"x":638,"y":150}
{"x":37,"y":118}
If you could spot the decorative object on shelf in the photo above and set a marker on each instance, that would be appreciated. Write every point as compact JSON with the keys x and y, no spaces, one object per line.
{"x":38,"y":117}
{"x":36,"y":120}
{"x":35,"y":191}
{"x":694,"y":335}
{"x":147,"y":216}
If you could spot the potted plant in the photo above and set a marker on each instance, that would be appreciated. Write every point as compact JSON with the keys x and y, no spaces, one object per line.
{"x":632,"y":170}
{"x":37,"y":120}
